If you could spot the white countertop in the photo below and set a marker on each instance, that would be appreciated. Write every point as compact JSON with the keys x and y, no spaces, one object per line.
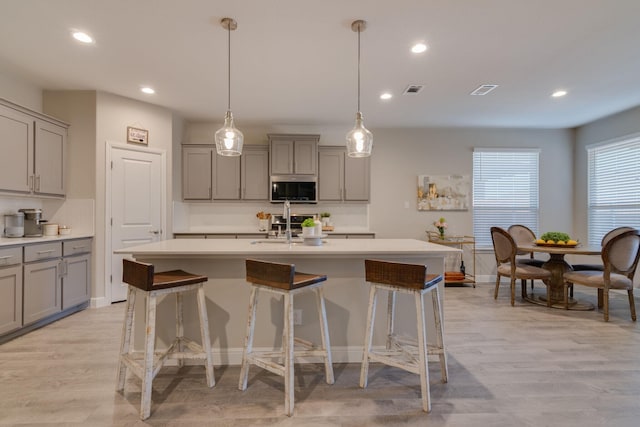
{"x":254,"y":230}
{"x":10,"y":241}
{"x":233,"y":248}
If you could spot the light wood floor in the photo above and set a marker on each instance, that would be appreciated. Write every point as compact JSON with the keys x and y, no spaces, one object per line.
{"x":508,"y":366}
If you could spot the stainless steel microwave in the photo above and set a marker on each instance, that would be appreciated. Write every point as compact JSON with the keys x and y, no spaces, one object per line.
{"x":295,"y":188}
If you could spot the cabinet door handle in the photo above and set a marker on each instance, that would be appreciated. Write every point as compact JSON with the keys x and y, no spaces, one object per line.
{"x":6,"y":257}
{"x":31,"y":183}
{"x":75,"y":248}
{"x":155,"y":232}
{"x":37,"y":183}
{"x":45,"y":252}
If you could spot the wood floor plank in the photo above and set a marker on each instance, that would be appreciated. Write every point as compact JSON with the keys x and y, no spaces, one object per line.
{"x":525,"y":365}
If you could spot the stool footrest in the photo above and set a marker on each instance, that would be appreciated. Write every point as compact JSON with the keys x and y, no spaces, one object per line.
{"x":264,"y":363}
{"x":394,"y":358}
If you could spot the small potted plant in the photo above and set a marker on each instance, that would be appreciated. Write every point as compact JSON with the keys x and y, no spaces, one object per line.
{"x":308,"y":227}
{"x":325,"y":218}
{"x":441,"y":225}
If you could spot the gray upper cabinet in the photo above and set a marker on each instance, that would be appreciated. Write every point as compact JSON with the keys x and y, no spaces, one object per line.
{"x":207,"y":176}
{"x":196,"y":173}
{"x":342,"y":178}
{"x":255,"y":172}
{"x":37,"y":147}
{"x":294,"y":154}
{"x":226,"y":177}
{"x":50,"y":145}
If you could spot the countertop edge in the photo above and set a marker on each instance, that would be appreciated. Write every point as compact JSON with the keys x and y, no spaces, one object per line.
{"x":21,"y":241}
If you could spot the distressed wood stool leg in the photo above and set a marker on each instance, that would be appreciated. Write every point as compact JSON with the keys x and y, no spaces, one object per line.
{"x":125,"y":343}
{"x":149,"y":349}
{"x":248,"y":339}
{"x":324,"y":332}
{"x":179,"y":327}
{"x":422,"y":351}
{"x":205,"y":337}
{"x":289,"y":400}
{"x":364,"y":370}
{"x":391,"y":317}
{"x":437,"y":312}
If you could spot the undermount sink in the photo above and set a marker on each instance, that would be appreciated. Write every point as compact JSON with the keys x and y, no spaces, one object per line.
{"x":295,"y":240}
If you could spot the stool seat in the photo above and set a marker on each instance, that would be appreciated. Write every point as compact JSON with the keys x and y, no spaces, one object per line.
{"x":400,"y":352}
{"x":283,"y":280}
{"x":142,"y":279}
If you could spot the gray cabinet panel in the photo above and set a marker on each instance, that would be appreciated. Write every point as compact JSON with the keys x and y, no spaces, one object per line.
{"x":357,"y":176}
{"x":10,"y":298}
{"x":331,"y":174}
{"x":16,"y":162}
{"x":50,"y":147}
{"x":226,"y":177}
{"x":76,"y":281}
{"x":293,"y":154}
{"x":42,"y":290}
{"x":255,"y":173}
{"x":196,"y":173}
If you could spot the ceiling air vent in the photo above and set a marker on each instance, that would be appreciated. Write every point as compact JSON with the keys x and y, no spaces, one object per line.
{"x":412,"y":89}
{"x":484,"y":89}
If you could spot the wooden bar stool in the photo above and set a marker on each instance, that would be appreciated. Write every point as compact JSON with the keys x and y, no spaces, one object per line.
{"x":401,"y":352}
{"x":282,"y":279}
{"x":141,"y":279}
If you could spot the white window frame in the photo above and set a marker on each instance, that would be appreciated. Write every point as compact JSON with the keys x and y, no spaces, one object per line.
{"x":613,"y":189}
{"x":506,"y":185}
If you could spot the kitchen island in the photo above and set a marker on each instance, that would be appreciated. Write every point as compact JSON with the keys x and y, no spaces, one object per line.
{"x":227,"y":292}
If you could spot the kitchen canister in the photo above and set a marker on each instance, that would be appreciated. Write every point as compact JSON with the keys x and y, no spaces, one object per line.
{"x":14,"y":225}
{"x":50,"y":229}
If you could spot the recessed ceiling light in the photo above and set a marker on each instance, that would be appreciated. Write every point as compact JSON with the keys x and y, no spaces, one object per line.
{"x":559,"y":93}
{"x":386,"y":95}
{"x":82,"y":37}
{"x":418,"y":48}
{"x":148,"y":90}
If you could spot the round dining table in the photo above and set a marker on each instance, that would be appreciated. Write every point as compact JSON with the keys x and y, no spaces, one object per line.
{"x":557,"y":265}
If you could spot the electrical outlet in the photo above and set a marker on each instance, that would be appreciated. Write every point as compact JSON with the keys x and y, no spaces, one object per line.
{"x":297,"y":317}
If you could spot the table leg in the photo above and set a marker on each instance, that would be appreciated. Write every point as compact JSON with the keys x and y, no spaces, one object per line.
{"x":555,"y":285}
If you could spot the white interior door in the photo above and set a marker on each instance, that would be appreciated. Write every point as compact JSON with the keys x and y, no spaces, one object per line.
{"x":137,"y":204}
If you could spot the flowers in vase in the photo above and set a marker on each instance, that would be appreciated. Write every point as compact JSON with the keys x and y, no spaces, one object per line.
{"x":441,"y":225}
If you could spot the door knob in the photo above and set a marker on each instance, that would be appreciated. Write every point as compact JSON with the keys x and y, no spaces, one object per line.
{"x":155,"y":231}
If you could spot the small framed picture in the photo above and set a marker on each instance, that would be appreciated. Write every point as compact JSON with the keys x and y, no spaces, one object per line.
{"x":138,"y":136}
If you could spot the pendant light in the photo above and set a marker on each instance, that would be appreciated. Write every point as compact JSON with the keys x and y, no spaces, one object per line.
{"x":229,"y":139}
{"x":359,"y":139}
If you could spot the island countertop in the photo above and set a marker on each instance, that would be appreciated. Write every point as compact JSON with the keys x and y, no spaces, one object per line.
{"x":233,"y":248}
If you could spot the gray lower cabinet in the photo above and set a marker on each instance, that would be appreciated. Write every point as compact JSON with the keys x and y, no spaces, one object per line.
{"x":76,"y":272}
{"x":10,"y":289}
{"x":342,"y":178}
{"x":42,"y":290}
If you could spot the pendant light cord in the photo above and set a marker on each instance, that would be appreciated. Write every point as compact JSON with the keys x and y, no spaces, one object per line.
{"x":358,"y":69}
{"x":229,"y":67}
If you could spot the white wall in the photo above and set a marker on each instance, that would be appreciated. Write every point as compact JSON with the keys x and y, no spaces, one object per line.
{"x":20,"y":91}
{"x":605,"y":129}
{"x":113,"y":115}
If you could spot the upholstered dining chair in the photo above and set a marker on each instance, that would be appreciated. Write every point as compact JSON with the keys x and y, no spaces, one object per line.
{"x":620,"y":259}
{"x":599,"y":267}
{"x":505,"y":250}
{"x":522,"y":235}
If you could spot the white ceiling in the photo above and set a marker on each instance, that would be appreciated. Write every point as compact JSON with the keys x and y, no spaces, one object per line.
{"x":294,"y":61}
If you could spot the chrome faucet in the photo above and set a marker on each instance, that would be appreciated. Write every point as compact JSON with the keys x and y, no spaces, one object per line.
{"x":287,"y":215}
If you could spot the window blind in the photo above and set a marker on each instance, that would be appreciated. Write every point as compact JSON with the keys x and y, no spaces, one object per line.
{"x":505,"y":191}
{"x":613,"y":187}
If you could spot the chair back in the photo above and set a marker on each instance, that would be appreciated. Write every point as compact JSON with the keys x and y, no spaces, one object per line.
{"x":504,"y":246}
{"x":621,"y":253}
{"x":521,"y":234}
{"x":613,"y":233}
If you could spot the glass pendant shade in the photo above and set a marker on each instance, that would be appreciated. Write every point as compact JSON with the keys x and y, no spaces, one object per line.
{"x":229,"y":139}
{"x":359,"y":139}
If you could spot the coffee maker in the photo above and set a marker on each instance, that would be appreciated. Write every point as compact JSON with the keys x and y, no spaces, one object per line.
{"x":32,"y":222}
